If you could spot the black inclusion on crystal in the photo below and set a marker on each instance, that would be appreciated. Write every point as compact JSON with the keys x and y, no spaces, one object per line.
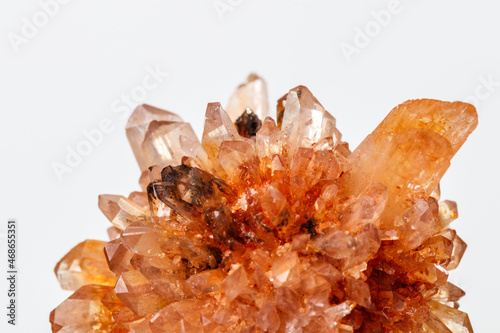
{"x":309,"y":227}
{"x":248,"y":124}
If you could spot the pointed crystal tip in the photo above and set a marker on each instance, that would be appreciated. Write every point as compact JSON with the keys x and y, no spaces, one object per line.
{"x":160,"y":137}
{"x":251,"y":94}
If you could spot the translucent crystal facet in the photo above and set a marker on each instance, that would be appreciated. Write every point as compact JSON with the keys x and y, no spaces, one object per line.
{"x":84,"y":264}
{"x":83,"y":312}
{"x":252,"y":94}
{"x":218,"y":128}
{"x":147,"y":145}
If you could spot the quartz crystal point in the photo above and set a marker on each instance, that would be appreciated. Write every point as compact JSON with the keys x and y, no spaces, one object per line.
{"x":84,"y":264}
{"x":409,"y":152}
{"x":83,"y":312}
{"x":305,"y":121}
{"x":218,"y":128}
{"x":252,"y":94}
{"x":155,"y":136}
{"x":275,"y":226}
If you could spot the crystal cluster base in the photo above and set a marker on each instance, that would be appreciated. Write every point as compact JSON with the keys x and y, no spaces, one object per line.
{"x":275,"y":226}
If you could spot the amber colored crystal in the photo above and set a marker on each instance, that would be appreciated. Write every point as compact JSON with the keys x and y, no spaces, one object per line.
{"x":218,"y":128}
{"x":275,"y":226}
{"x":83,"y":312}
{"x":118,"y":256}
{"x":154,"y":136}
{"x":84,"y":264}
{"x":136,"y":292}
{"x":251,"y":94}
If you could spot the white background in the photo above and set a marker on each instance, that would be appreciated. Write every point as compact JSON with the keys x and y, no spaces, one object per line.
{"x":64,"y":79}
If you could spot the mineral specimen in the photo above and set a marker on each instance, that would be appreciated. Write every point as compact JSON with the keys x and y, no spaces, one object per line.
{"x":276,"y":227}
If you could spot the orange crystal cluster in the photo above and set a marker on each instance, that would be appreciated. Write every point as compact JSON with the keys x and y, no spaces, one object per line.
{"x":268,"y":226}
